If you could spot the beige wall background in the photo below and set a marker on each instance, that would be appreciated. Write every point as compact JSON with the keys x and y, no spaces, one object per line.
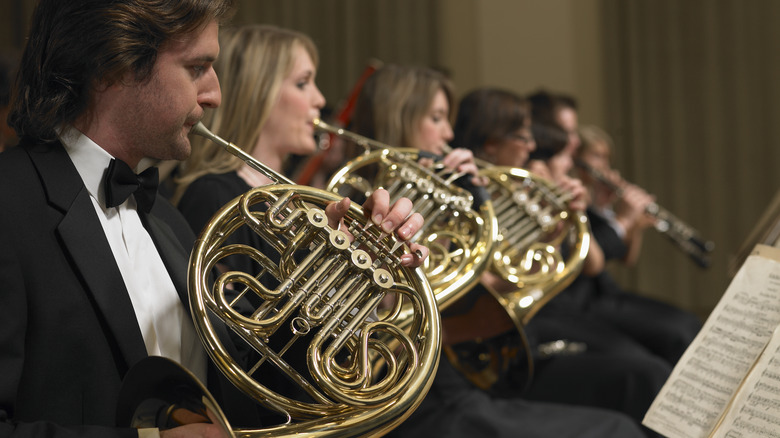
{"x":688,"y":88}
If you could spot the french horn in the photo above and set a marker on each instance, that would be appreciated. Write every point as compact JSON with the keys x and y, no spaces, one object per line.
{"x":542,"y":243}
{"x":540,"y":250}
{"x":458,"y":233}
{"x":336,"y":298}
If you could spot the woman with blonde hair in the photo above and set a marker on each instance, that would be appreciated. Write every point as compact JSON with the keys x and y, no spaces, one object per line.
{"x":259,"y":67}
{"x":270,"y":99}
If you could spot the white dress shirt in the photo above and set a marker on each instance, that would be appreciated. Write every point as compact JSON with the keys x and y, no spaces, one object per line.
{"x":166,"y":329}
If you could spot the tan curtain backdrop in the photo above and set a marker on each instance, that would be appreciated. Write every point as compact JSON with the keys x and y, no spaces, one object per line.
{"x":352,"y":33}
{"x":694,"y":105}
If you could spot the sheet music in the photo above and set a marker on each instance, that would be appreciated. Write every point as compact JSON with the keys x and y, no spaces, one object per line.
{"x":756,"y":410}
{"x":703,"y":383}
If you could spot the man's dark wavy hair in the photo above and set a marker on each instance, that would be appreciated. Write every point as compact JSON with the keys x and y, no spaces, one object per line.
{"x":76,"y":45}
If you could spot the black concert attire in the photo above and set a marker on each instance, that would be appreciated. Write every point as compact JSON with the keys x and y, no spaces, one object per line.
{"x":639,"y":338}
{"x":664,"y":329}
{"x":455,"y":408}
{"x":69,"y":331}
{"x":205,"y":196}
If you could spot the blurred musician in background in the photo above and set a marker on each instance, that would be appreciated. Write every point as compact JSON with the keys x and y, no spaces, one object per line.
{"x":414,"y":113}
{"x":272,"y":105}
{"x":615,"y":373}
{"x":267,"y":75}
{"x":624,"y":212}
{"x":410,"y":107}
{"x":663,"y":329}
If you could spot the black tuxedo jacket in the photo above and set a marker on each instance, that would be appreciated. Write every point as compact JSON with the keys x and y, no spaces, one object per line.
{"x":68,"y":332}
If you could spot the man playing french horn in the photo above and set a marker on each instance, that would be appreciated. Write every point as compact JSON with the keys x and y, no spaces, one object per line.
{"x":92,"y":280}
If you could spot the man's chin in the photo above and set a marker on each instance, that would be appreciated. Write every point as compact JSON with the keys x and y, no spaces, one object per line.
{"x":182,"y":149}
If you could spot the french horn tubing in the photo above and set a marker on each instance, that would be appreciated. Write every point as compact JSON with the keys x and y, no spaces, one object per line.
{"x":542,"y":243}
{"x":362,"y":372}
{"x":459,"y":236}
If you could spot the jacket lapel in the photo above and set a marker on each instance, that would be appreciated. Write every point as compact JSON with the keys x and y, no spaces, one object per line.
{"x":86,"y":244}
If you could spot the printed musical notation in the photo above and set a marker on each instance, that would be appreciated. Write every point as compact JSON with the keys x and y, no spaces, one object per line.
{"x":758,"y":399}
{"x":723,"y":386}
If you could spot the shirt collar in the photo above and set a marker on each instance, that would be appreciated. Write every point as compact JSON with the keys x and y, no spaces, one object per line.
{"x":91,"y":160}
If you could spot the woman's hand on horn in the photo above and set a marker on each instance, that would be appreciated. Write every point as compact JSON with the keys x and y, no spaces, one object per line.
{"x":462,"y":160}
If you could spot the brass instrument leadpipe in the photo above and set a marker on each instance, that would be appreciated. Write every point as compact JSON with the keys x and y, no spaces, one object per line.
{"x":685,"y":237}
{"x":370,"y":144}
{"x":201,"y":130}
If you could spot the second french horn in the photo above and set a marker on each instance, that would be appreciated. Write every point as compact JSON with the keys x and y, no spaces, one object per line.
{"x":459,"y":234}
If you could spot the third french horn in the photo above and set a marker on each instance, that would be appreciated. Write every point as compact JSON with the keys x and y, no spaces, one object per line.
{"x":542,"y":243}
{"x":541,"y":248}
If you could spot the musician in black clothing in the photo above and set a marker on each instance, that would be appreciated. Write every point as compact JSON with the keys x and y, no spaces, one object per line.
{"x":613,"y":371}
{"x":618,"y":222}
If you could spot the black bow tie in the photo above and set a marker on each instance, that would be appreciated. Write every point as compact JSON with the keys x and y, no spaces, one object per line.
{"x":121,"y":182}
